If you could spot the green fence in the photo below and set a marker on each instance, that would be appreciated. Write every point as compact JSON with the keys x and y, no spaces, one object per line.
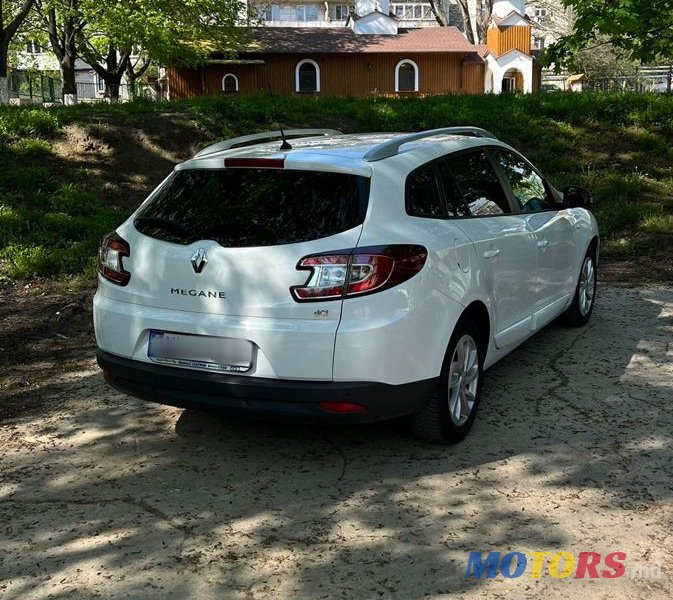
{"x":35,"y":88}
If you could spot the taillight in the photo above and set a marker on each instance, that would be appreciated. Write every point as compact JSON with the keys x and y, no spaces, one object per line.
{"x":356,"y":272}
{"x":112,"y":250}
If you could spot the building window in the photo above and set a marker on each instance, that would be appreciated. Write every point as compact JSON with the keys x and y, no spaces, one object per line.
{"x":307,"y":12}
{"x":538,"y":42}
{"x":100,"y":82}
{"x":307,"y":76}
{"x":406,"y":76}
{"x":541,"y":15}
{"x":230,"y":83}
{"x":341,"y":12}
{"x":33,"y":47}
{"x":412,"y":12}
{"x":272,"y":12}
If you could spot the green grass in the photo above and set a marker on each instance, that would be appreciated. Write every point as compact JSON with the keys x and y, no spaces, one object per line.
{"x":47,"y":228}
{"x":53,"y":212}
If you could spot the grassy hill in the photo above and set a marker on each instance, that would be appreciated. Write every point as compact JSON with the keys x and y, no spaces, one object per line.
{"x":69,"y":175}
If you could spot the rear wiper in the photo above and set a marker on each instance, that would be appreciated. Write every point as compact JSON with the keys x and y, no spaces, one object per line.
{"x":165,"y":224}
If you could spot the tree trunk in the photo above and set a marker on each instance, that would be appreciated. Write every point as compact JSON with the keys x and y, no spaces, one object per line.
{"x":8,"y":28}
{"x":69,"y":81}
{"x":439,"y":13}
{"x":4,"y":90}
{"x":4,"y":80}
{"x":464,"y":7}
{"x":112,"y":85}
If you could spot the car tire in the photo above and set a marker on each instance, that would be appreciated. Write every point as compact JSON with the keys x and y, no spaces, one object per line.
{"x":579,"y":312}
{"x":450,"y":412}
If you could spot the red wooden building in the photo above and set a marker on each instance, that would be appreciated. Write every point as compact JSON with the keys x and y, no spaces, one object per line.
{"x":340,"y":62}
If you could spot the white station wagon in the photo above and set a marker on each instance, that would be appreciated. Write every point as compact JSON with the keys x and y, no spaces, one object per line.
{"x":338,"y":277}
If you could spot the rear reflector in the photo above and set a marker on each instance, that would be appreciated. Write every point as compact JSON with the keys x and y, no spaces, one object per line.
{"x":342,"y":407}
{"x":254,"y":163}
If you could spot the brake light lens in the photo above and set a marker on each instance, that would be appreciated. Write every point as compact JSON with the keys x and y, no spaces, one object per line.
{"x":254,"y":163}
{"x":111,"y":252}
{"x":357,"y":272}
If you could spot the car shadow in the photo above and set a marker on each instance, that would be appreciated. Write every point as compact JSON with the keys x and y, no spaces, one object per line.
{"x":111,"y":495}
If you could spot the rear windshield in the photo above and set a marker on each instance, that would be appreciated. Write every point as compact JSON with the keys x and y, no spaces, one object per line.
{"x":254,"y":207}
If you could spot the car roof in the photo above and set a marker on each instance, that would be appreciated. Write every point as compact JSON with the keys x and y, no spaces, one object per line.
{"x":345,"y":152}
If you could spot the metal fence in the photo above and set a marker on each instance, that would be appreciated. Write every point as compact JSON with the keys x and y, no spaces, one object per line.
{"x":31,"y":88}
{"x":34,"y":88}
{"x":643,"y":79}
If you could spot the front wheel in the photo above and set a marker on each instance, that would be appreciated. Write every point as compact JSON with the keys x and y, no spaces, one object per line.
{"x":579,"y":312}
{"x":448,"y":416}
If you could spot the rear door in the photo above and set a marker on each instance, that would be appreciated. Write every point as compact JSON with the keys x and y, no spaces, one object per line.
{"x":505,"y":245}
{"x":214,"y":252}
{"x":554,"y":231}
{"x":227,"y":241}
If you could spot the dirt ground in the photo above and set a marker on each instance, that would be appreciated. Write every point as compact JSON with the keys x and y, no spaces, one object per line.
{"x":102,"y":495}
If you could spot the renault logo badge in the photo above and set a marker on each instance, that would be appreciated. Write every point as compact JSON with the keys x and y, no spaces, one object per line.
{"x":199,"y":260}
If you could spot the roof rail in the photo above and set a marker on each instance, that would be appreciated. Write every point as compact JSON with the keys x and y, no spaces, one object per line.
{"x":267,"y":136}
{"x":392,"y":147}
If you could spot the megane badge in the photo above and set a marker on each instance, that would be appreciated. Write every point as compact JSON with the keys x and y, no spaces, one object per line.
{"x":199,"y":260}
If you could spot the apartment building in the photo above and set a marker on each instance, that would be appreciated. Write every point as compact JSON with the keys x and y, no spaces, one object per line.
{"x":335,"y":13}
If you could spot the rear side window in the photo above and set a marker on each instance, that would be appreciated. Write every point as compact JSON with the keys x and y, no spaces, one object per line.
{"x":477,"y":180}
{"x":423,"y":199}
{"x":254,"y":207}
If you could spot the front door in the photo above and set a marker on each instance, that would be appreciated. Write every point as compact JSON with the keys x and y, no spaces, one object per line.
{"x":505,"y":246}
{"x":554,"y":232}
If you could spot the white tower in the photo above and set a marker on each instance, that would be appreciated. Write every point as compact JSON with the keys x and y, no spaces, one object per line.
{"x":502,"y":8}
{"x":509,"y":62}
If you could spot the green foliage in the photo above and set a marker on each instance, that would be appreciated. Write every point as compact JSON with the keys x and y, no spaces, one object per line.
{"x":22,"y":122}
{"x":53,"y":213}
{"x":46,"y":227}
{"x":644,"y":30}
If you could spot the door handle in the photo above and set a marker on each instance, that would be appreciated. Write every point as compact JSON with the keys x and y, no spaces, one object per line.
{"x":492,"y":253}
{"x":542,"y":243}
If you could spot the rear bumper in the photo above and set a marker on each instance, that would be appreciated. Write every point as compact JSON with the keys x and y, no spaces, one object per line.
{"x":299,"y":400}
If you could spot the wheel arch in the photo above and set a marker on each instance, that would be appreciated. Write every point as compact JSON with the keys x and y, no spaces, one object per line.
{"x":477,"y":312}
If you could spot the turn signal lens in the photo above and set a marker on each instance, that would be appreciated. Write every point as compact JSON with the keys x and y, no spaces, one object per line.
{"x":357,"y":272}
{"x":111,"y":252}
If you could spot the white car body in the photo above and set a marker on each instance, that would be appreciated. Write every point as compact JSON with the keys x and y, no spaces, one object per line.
{"x":521,"y":269}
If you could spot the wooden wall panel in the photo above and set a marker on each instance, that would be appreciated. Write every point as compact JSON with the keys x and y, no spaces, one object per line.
{"x":184,"y":83}
{"x":349,"y":75}
{"x":473,"y":78}
{"x":247,"y":76}
{"x":537,"y":77}
{"x":502,"y":40}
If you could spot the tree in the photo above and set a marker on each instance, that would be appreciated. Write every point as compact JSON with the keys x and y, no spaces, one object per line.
{"x":481,"y":9}
{"x":644,"y":30}
{"x":63,"y":22}
{"x":12,"y":15}
{"x":168,"y":31}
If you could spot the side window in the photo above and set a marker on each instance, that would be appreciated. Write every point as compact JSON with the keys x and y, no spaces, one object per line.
{"x":479,"y":184}
{"x":528,"y":187}
{"x":423,"y":198}
{"x":455,"y":203}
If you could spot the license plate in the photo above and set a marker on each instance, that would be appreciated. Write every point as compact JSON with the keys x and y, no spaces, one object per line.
{"x":200,"y":352}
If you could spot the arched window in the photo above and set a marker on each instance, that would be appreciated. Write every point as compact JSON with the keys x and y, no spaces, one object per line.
{"x":406,"y":76}
{"x":307,"y":76}
{"x":230,"y":83}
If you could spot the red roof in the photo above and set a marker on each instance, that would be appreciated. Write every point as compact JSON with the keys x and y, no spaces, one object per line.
{"x":342,"y":40}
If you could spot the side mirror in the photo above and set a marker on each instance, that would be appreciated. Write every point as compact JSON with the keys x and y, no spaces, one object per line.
{"x":575,"y":196}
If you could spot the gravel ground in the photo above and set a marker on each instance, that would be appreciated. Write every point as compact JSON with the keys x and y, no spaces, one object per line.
{"x":102,"y":495}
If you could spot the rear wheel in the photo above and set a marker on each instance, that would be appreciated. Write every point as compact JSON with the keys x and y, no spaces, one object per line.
{"x":448,"y":416}
{"x":579,"y":312}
